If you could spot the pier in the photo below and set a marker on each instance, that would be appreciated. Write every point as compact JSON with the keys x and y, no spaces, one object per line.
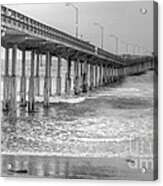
{"x":93,"y":67}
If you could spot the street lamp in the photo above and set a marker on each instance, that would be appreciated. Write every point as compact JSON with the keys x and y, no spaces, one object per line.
{"x":102,"y":33}
{"x":116,"y":41}
{"x":77,"y":17}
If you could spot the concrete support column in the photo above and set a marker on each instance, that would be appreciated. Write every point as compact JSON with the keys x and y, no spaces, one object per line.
{"x":103,"y":78}
{"x":137,"y":68}
{"x":96,"y":75}
{"x":37,"y":78}
{"x":81,"y":75}
{"x":130,"y":70}
{"x":31,"y":92}
{"x":68,"y":77}
{"x":106,"y":80}
{"x":91,"y":77}
{"x":59,"y":76}
{"x":152,"y":63}
{"x":76,"y":77}
{"x":115,"y":74}
{"x":108,"y":74}
{"x":47,"y":80}
{"x":143,"y":67}
{"x":6,"y":82}
{"x":140,"y":70}
{"x":50,"y":76}
{"x":119,"y":73}
{"x":13,"y":94}
{"x":123,"y":72}
{"x":112,"y":74}
{"x":85,"y":77}
{"x":23,"y":80}
{"x":100,"y":75}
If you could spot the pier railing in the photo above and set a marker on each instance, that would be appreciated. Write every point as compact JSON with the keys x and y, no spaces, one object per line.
{"x":29,"y":26}
{"x":23,"y":23}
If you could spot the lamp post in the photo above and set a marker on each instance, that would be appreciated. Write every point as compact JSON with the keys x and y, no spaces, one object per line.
{"x":116,"y":42}
{"x":102,"y":33}
{"x":76,"y":18}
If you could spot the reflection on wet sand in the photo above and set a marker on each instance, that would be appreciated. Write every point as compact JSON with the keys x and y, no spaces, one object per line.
{"x":68,"y":167}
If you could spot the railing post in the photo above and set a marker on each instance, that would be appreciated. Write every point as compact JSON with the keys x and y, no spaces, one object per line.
{"x":59,"y":76}
{"x":31,"y":92}
{"x":47,"y":80}
{"x":68,"y":77}
{"x":23,"y":80}
{"x":6,"y":82}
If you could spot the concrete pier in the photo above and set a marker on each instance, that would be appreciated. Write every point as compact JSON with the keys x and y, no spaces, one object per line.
{"x":76,"y":77}
{"x":47,"y":80}
{"x":104,"y":69}
{"x":68,"y":77}
{"x":85,"y":76}
{"x":23,"y":80}
{"x":6,"y":82}
{"x":59,"y":76}
{"x":37,"y":78}
{"x":31,"y":90}
{"x":13,"y":87}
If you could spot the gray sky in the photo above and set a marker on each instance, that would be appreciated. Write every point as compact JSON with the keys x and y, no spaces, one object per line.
{"x":122,"y":19}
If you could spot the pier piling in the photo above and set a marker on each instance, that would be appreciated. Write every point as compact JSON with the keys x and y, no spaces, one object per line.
{"x":31,"y":91}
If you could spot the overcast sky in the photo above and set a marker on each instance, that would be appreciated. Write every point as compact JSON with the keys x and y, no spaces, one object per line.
{"x":122,"y":19}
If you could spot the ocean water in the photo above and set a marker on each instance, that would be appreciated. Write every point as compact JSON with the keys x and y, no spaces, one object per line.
{"x":112,"y":121}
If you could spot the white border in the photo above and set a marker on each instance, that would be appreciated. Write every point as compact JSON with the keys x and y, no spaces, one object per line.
{"x":61,"y":182}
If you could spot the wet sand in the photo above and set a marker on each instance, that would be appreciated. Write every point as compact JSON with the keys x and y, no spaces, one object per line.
{"x":74,"y":168}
